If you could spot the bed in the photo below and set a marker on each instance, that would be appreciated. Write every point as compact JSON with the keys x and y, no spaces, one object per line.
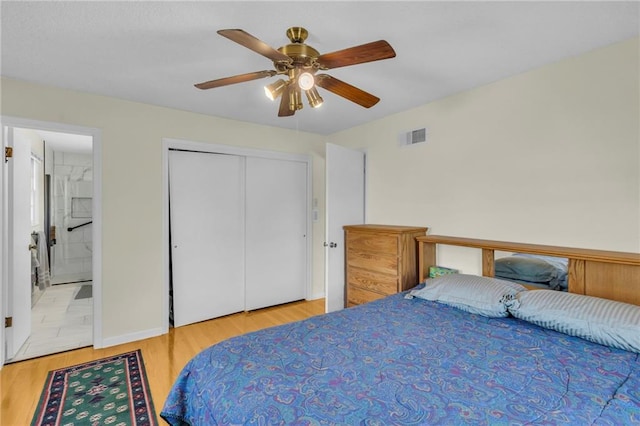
{"x":461,"y":349}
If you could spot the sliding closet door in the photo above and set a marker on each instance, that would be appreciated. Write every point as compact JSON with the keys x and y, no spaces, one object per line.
{"x":276,"y":226}
{"x":206,"y":198}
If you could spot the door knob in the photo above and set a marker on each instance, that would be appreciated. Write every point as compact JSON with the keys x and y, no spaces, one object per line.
{"x":32,"y":247}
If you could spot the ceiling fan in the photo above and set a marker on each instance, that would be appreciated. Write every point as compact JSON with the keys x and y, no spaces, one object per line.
{"x":300,"y":63}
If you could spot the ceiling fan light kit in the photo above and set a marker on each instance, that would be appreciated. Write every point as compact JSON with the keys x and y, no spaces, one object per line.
{"x":314,"y":98}
{"x":300,"y":63}
{"x":306,"y":80}
{"x":295,"y":99}
{"x":274,"y":90}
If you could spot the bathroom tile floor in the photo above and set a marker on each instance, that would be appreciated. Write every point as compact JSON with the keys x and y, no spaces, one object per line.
{"x":58,"y":322}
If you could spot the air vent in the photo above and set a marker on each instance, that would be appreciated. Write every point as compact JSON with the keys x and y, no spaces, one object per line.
{"x":417,"y":136}
{"x":413,"y":137}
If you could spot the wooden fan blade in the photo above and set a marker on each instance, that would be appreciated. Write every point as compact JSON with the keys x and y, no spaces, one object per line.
{"x":240,"y":78}
{"x":346,"y":90}
{"x":369,"y":52}
{"x":284,"y":110}
{"x":258,"y":46}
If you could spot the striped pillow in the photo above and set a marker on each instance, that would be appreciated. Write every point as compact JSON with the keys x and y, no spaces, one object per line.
{"x":471,"y":293}
{"x":602,"y":321}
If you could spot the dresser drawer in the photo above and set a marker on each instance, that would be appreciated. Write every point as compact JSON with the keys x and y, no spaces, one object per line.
{"x":376,"y":262}
{"x":357,"y":296}
{"x":373,"y":242}
{"x":369,"y":280}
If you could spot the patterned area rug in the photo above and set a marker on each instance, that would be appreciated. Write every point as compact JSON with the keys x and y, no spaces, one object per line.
{"x":108,"y":391}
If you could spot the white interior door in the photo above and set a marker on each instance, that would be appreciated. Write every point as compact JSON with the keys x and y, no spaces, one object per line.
{"x":276,"y":227}
{"x":206,"y":199}
{"x":345,"y":185}
{"x":18,"y":291}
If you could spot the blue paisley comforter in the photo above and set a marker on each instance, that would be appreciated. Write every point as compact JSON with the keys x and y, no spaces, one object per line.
{"x":407,"y":362}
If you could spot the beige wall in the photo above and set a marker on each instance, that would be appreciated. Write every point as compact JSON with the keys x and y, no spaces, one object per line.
{"x":132,"y":268}
{"x":550,"y":156}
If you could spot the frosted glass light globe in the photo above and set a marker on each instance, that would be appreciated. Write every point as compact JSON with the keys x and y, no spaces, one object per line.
{"x":306,"y":81}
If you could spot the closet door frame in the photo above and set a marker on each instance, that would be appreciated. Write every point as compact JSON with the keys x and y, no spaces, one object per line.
{"x":185,"y":145}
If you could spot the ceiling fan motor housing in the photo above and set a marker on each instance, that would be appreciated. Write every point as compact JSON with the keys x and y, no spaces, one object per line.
{"x":303,"y":55}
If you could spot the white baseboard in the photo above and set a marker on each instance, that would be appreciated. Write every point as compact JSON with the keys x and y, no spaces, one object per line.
{"x":131,"y":337}
{"x":316,"y":296}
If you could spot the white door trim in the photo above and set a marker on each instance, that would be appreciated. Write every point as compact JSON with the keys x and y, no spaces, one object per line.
{"x":180,"y":144}
{"x":96,"y":134}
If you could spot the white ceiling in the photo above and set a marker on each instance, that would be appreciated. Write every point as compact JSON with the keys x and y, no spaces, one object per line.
{"x":153,"y":52}
{"x":65,"y":142}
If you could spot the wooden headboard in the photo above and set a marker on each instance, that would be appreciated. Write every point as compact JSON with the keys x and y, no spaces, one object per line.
{"x":608,"y":274}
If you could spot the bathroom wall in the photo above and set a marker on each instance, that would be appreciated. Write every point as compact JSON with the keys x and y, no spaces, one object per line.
{"x":72,"y":197}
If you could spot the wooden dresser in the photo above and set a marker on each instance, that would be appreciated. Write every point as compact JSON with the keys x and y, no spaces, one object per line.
{"x":379,"y":260}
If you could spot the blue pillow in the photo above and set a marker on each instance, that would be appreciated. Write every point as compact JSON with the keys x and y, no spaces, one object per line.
{"x":471,"y":293}
{"x":526,"y":269}
{"x":602,"y":321}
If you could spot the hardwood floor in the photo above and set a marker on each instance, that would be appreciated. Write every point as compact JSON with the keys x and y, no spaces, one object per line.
{"x":164,"y":357}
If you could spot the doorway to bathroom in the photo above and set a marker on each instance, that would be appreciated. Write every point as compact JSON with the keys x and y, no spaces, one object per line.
{"x":60,"y":199}
{"x":70,"y":216}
